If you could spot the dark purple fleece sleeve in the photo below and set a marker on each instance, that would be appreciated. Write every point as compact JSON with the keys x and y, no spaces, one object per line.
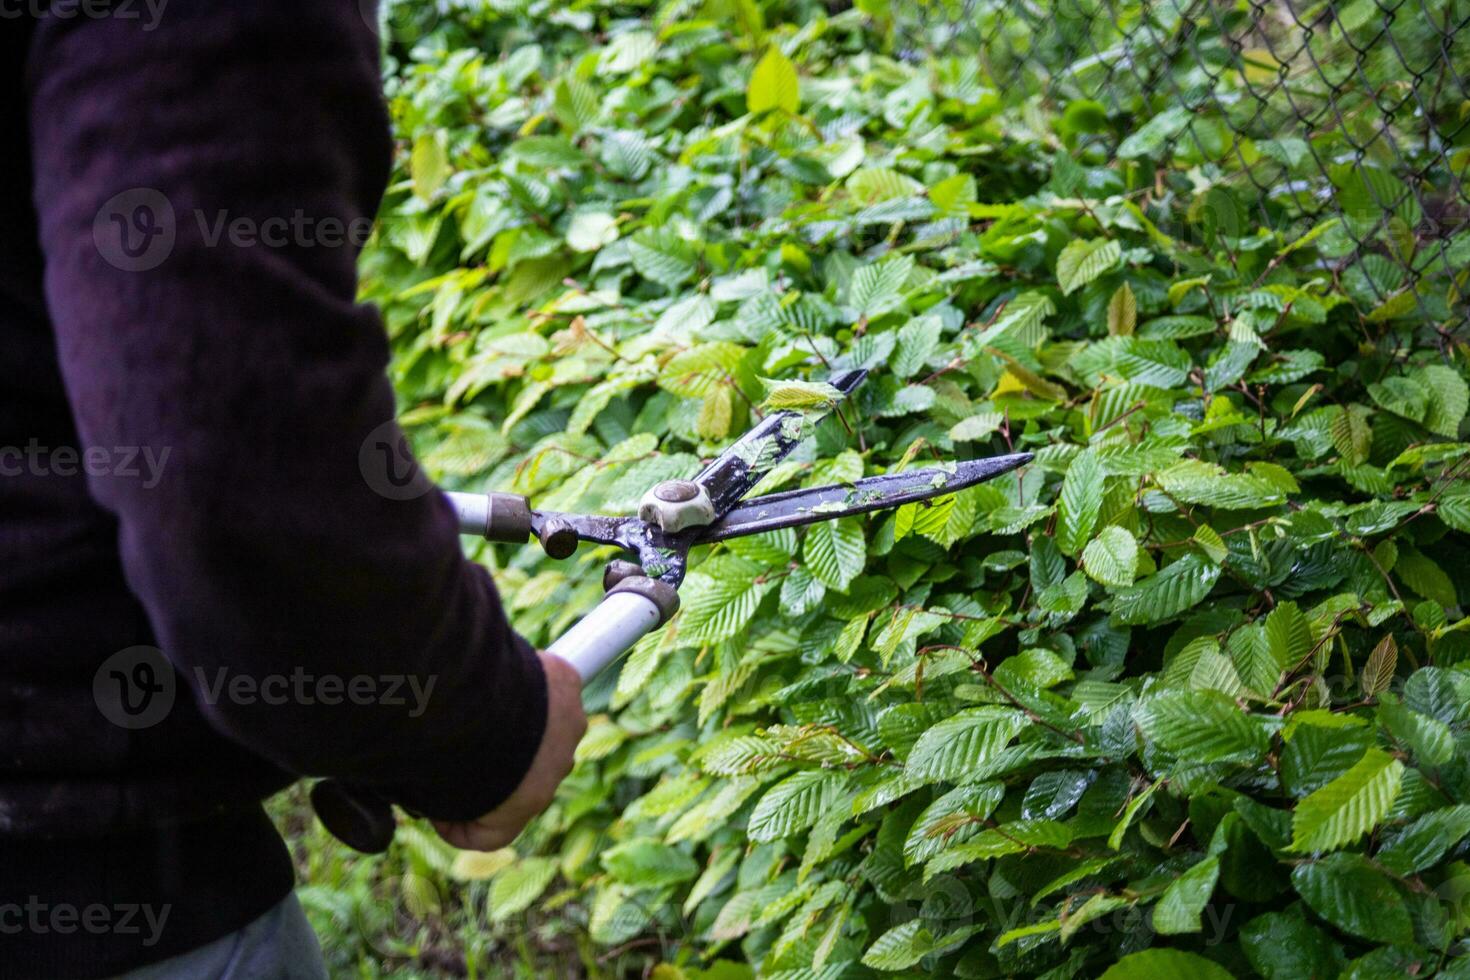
{"x":209,"y":314}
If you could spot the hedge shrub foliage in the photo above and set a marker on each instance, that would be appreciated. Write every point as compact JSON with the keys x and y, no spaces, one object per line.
{"x":1188,"y":695}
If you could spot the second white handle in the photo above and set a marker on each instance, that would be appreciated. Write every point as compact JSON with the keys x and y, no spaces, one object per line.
{"x":620,"y":620}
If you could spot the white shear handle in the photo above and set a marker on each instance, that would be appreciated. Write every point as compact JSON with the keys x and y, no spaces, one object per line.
{"x":620,"y":620}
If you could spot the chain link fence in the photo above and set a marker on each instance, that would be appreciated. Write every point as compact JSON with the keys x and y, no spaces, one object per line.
{"x":1349,"y":121}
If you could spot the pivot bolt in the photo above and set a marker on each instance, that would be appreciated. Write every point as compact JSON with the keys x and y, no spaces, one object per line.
{"x":558,"y":538}
{"x":676,"y":491}
{"x":675,"y":505}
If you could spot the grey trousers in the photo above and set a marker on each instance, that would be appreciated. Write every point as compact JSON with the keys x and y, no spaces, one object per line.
{"x":277,"y":946}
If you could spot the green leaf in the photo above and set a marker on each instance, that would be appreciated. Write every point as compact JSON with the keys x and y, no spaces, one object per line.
{"x":794,"y":804}
{"x":1349,"y":806}
{"x":801,"y":395}
{"x":1429,"y":739}
{"x":575,"y":103}
{"x":917,"y":341}
{"x":590,"y":230}
{"x":1421,"y":574}
{"x":774,"y":84}
{"x":1286,"y":946}
{"x":1179,"y":327}
{"x":516,"y":887}
{"x":1179,"y":908}
{"x":1020,"y":322}
{"x":1165,"y":964}
{"x":954,"y":817}
{"x":1315,"y":756}
{"x":662,"y":257}
{"x":1194,"y":482}
{"x":953,"y":195}
{"x":1449,"y":397}
{"x":648,"y":863}
{"x":1083,"y":260}
{"x":960,"y":748}
{"x":801,"y":592}
{"x":1210,"y":544}
{"x":1425,"y":842}
{"x":874,"y":185}
{"x":836,"y":552}
{"x":878,"y":287}
{"x":1203,"y":727}
{"x":1167,"y":594}
{"x":1402,"y":397}
{"x":1288,"y":633}
{"x":718,"y":600}
{"x":1351,"y":894}
{"x":627,"y":52}
{"x":1081,"y":499}
{"x":1255,"y":659}
{"x":1151,"y":138}
{"x":1111,"y":558}
{"x":983,"y":424}
{"x":905,"y":944}
{"x":1351,"y":435}
{"x":1317,"y":232}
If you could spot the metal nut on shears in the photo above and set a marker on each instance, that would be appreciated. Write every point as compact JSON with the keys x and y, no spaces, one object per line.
{"x":617,"y":570}
{"x":558,"y":538}
{"x":675,"y":505}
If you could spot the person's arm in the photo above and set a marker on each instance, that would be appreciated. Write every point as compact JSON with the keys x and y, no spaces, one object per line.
{"x":259,"y":548}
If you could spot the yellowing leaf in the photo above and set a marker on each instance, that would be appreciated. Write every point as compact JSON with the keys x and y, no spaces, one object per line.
{"x":774,"y":84}
{"x":715,"y":413}
{"x":479,"y":865}
{"x":429,"y":164}
{"x":1378,"y":671}
{"x":1123,"y":312}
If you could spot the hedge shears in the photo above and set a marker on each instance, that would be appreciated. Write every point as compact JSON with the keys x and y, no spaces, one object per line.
{"x":641,"y":591}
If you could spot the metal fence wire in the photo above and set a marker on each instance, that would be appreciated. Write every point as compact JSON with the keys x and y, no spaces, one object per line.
{"x":1292,"y":115}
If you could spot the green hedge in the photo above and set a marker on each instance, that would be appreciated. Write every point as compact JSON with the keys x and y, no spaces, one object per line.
{"x":1189,"y":695}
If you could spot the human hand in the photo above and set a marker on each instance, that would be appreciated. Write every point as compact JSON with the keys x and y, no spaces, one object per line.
{"x":566,"y":723}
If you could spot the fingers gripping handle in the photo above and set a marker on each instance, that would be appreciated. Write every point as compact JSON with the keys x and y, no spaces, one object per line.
{"x":364,"y":821}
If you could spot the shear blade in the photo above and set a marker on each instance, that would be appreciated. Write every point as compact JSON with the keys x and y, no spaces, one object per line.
{"x":797,"y":507}
{"x":732,"y":475}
